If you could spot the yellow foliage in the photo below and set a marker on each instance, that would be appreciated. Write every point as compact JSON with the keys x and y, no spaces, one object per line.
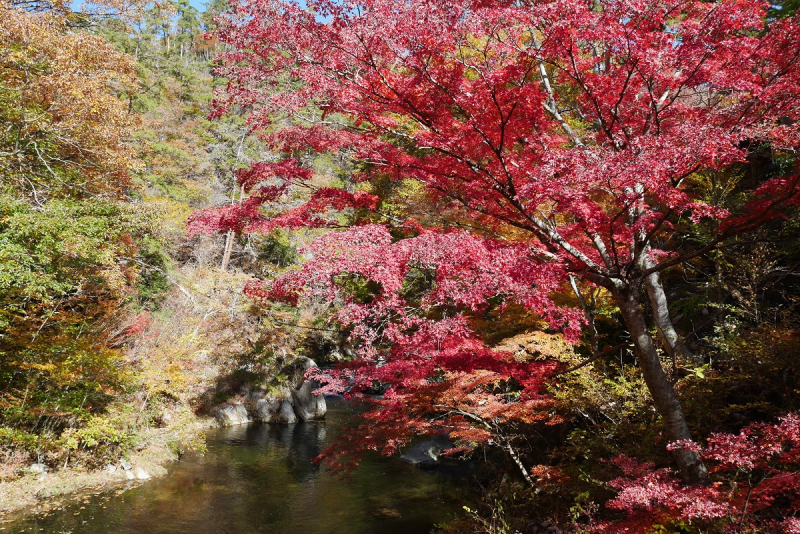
{"x":202,"y":322}
{"x":538,"y":345}
{"x":64,"y":89}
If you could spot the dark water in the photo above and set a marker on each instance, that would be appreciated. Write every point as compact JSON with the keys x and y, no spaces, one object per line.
{"x":260,"y":479}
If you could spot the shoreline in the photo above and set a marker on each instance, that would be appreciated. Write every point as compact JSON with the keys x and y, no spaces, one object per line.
{"x":32,"y":494}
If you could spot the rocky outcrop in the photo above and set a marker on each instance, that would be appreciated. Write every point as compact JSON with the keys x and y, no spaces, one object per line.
{"x":275,"y":410}
{"x":285,"y":409}
{"x":307,"y":406}
{"x":292,"y":402}
{"x":266,"y":409}
{"x":231,"y":414}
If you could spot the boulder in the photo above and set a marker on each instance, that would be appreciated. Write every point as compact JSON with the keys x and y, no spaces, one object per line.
{"x":426,"y":453}
{"x":141,"y":474}
{"x":266,"y":410}
{"x":423,"y":454}
{"x":38,"y":469}
{"x":126,"y":465}
{"x":286,"y":413}
{"x":274,"y":408}
{"x":295,"y":372}
{"x":307,"y":406}
{"x":231,"y":414}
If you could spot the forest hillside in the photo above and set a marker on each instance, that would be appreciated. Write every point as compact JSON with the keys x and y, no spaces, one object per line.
{"x":117,"y":328}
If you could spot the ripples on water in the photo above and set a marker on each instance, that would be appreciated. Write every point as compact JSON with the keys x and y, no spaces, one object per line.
{"x":260,"y":479}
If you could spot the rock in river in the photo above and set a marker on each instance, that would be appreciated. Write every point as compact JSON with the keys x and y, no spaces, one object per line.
{"x":426,"y":454}
{"x":232,"y":414}
{"x":267,"y":409}
{"x":285,"y":404}
{"x":141,"y":474}
{"x":286,"y":413}
{"x":309,"y":407}
{"x":423,"y":454}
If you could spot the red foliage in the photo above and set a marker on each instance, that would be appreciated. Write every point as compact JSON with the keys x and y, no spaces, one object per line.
{"x":138,"y":325}
{"x":653,"y":92}
{"x":758,"y":484}
{"x":425,"y":351}
{"x":580,"y":125}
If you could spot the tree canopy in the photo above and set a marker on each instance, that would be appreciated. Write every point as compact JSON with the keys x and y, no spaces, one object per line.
{"x":569,"y":140}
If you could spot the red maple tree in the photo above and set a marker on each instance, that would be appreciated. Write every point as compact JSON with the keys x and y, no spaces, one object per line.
{"x":586,"y":127}
{"x":758,"y":485}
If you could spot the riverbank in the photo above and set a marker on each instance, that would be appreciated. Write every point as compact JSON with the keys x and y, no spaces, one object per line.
{"x":36,"y":493}
{"x":175,"y":362}
{"x":261,"y":478}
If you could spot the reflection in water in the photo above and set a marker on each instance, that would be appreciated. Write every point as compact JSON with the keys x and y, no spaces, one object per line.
{"x":260,"y":479}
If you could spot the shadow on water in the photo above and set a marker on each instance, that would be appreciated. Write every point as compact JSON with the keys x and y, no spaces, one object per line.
{"x":260,"y":479}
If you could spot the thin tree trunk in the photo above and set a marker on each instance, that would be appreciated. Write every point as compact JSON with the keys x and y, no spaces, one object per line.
{"x":658,"y":301}
{"x":589,"y":313}
{"x":226,"y":257}
{"x":664,"y":396}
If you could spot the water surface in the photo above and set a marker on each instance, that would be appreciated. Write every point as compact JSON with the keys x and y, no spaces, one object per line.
{"x":260,"y":479}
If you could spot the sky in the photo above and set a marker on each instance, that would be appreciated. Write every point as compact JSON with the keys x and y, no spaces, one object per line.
{"x":199,"y":5}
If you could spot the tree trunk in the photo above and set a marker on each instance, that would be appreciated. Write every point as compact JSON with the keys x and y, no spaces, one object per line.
{"x":226,"y":256}
{"x":658,"y":300}
{"x":666,"y":400}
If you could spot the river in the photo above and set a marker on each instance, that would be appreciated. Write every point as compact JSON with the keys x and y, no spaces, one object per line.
{"x":260,"y":479}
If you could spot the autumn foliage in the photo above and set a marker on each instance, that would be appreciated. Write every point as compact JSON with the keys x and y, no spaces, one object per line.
{"x":761,"y":485}
{"x":566,"y":139}
{"x":566,"y":230}
{"x":67,"y":129}
{"x":68,"y":236}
